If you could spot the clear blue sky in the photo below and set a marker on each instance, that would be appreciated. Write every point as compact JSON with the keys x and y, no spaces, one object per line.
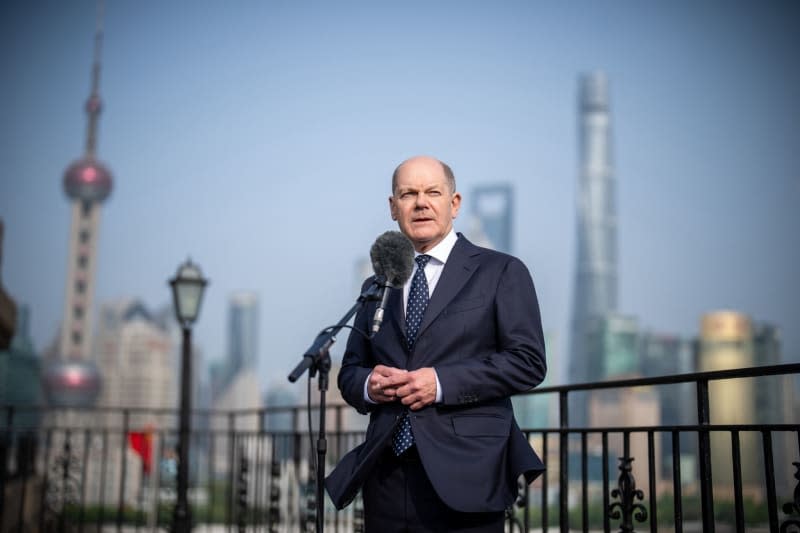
{"x":259,"y":138}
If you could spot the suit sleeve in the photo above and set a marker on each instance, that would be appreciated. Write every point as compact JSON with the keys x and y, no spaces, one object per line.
{"x":518,"y":362}
{"x":357,"y":362}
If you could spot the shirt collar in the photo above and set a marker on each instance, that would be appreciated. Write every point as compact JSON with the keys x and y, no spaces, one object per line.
{"x":441,"y":251}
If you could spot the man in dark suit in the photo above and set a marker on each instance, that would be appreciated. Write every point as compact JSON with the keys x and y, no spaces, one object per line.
{"x":442,"y":451}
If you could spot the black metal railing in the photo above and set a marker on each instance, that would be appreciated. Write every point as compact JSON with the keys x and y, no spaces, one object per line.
{"x":253,"y":470}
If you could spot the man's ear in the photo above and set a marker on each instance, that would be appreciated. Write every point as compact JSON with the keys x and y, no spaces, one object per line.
{"x":455,"y":204}
{"x":392,"y":208}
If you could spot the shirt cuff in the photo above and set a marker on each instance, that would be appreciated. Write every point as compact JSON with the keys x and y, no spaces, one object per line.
{"x":366,"y":394}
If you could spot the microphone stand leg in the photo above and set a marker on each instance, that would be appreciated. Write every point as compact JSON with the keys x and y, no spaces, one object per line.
{"x":323,"y":368}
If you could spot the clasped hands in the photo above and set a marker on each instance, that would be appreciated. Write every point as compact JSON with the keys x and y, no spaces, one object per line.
{"x":414,"y":388}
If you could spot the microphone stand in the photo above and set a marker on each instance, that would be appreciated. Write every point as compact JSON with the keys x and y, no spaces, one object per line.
{"x":317,"y":360}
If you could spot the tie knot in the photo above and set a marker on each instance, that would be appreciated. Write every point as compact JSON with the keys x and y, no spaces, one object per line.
{"x":422,"y":260}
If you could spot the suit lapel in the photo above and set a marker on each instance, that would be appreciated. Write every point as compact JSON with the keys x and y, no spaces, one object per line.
{"x":458,"y":269}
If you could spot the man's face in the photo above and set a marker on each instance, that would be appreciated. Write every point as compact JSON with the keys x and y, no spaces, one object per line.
{"x":422,"y":203}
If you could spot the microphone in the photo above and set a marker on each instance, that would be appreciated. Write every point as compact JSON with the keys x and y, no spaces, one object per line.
{"x":392,"y":258}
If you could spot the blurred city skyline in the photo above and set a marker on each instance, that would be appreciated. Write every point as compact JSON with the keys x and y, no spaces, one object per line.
{"x":259,"y":139}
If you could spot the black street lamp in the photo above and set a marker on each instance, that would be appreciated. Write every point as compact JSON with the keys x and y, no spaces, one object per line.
{"x":187,"y":290}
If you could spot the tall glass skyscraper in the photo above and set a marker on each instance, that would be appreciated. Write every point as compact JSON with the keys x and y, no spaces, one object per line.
{"x":242,"y":332}
{"x":493,"y":215}
{"x":595,"y":290}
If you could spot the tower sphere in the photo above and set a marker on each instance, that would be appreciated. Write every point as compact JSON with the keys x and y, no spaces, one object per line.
{"x":88,"y":180}
{"x":72,"y":383}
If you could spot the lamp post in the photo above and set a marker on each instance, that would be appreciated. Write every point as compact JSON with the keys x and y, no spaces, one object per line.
{"x":187,"y":291}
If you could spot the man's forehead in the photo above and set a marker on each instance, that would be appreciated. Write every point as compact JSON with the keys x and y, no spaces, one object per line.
{"x":419,"y":174}
{"x":420,"y":182}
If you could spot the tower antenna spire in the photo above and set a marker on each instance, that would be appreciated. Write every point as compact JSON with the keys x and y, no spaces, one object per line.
{"x":94,"y":104}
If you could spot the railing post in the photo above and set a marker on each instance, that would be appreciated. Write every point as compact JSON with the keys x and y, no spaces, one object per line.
{"x":736,"y":452}
{"x":241,"y":491}
{"x":584,"y":481}
{"x":769,"y":475}
{"x":5,"y":446}
{"x":606,"y":485}
{"x":545,"y":487}
{"x":231,"y":470}
{"x":676,"y":482}
{"x":123,"y":467}
{"x":563,"y":452}
{"x":704,"y":442}
{"x":651,"y":474}
{"x":274,"y":516}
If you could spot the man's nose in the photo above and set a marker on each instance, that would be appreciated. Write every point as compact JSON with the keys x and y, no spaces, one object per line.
{"x":421,"y":201}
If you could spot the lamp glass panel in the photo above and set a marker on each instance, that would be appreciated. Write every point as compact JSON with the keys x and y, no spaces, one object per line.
{"x":188,"y":295}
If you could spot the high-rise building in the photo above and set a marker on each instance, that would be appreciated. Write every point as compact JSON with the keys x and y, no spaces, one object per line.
{"x":726,"y":342}
{"x":775,"y":399}
{"x":612,"y":344}
{"x":243,"y":331}
{"x":634,"y":406}
{"x":492,"y":216}
{"x":242,"y":356}
{"x":595,"y":289}
{"x":665,"y":355}
{"x":234,"y":382}
{"x":134,"y":354}
{"x":280,"y":401}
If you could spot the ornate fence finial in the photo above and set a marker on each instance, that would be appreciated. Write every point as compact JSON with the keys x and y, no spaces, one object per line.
{"x":274,"y":497}
{"x":63,"y":484}
{"x":792,"y":508}
{"x":627,"y":492}
{"x":242,"y":491}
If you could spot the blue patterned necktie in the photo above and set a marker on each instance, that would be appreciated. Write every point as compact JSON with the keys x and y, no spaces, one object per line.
{"x":418,"y":298}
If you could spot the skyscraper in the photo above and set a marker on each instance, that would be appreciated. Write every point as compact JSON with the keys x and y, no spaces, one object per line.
{"x":726,"y":342}
{"x":134,"y":356}
{"x":87,"y":183}
{"x":243,"y":331}
{"x":492,"y":216}
{"x":235,"y":383}
{"x":242,"y":356}
{"x":595,"y":290}
{"x":612,"y":340}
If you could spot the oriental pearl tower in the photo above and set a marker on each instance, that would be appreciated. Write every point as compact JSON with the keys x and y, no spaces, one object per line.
{"x":74,"y":380}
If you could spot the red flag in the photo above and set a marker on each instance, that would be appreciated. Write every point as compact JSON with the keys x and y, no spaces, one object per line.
{"x":142,"y":444}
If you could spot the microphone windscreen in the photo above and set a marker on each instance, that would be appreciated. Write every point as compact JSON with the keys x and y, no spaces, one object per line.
{"x":392,"y":256}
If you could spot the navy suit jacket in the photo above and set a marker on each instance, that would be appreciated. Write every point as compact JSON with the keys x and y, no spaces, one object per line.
{"x":482,"y":333}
